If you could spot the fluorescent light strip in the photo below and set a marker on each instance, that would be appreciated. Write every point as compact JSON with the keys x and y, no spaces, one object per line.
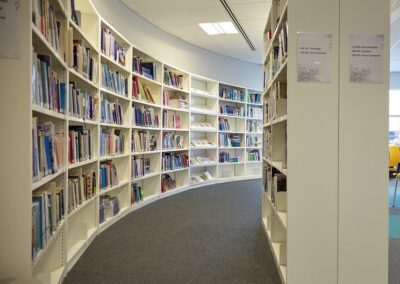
{"x":218,"y":28}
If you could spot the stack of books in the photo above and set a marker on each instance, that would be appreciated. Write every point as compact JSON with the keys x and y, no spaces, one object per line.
{"x":47,"y":149}
{"x":167,"y":183}
{"x":47,"y":90}
{"x":229,"y":140}
{"x":111,"y":48}
{"x":47,"y":213}
{"x":112,"y":142}
{"x":202,"y":143}
{"x":173,"y":79}
{"x":109,"y":207}
{"x":206,"y":176}
{"x":254,"y":98}
{"x":81,"y":103}
{"x":111,"y":112}
{"x":174,"y":161}
{"x":80,"y":58}
{"x":225,"y":157}
{"x":171,"y":120}
{"x":143,"y":141}
{"x":114,"y":81}
{"x":44,"y":17}
{"x":108,"y":175}
{"x":144,"y":117}
{"x":172,"y":141}
{"x":232,"y":110}
{"x":223,"y":124}
{"x":140,"y":91}
{"x":81,"y":187}
{"x":232,"y":94}
{"x":140,"y":166}
{"x":253,"y":155}
{"x":136,"y":193}
{"x":147,"y":69}
{"x":254,"y":112}
{"x":201,"y":160}
{"x":80,"y":144}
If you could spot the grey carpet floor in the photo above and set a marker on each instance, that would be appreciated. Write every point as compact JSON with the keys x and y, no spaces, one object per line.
{"x":206,"y":235}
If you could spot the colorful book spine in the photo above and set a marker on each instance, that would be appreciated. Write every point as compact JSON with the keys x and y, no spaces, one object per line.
{"x":114,"y":81}
{"x":81,"y":187}
{"x":111,"y":112}
{"x":144,"y":117}
{"x":112,"y":142}
{"x":143,"y":141}
{"x":111,"y":48}
{"x":174,"y":161}
{"x":108,"y":175}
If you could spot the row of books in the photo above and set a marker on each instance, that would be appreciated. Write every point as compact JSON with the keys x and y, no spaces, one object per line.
{"x":112,"y":142}
{"x":140,"y":91}
{"x":201,"y":143}
{"x":253,"y":126}
{"x":277,"y":55}
{"x":201,"y":160}
{"x":232,"y":110}
{"x":173,"y":79}
{"x":111,"y":48}
{"x":140,"y":166}
{"x":82,"y":104}
{"x":229,"y":140}
{"x":47,"y":149}
{"x":80,"y":59}
{"x":254,"y":155}
{"x":276,"y":101}
{"x":47,"y":90}
{"x":223,"y":124}
{"x":172,"y":161}
{"x":167,"y":183}
{"x":254,"y":98}
{"x":114,"y":81}
{"x":44,"y":17}
{"x":267,"y":143}
{"x":144,"y":117}
{"x":108,"y":207}
{"x":171,"y":120}
{"x":232,"y":94}
{"x":144,"y":141}
{"x":202,"y":125}
{"x":47,"y":213}
{"x":172,"y":141}
{"x":206,"y":176}
{"x":225,"y":157}
{"x":108,"y":174}
{"x":75,"y":14}
{"x":111,"y":112}
{"x":81,"y":187}
{"x":136,"y":193}
{"x":253,"y":141}
{"x":175,"y":100}
{"x":147,"y":69}
{"x":255,"y":112}
{"x":80,"y":144}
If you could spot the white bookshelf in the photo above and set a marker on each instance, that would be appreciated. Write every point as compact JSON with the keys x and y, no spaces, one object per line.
{"x":81,"y":224}
{"x":313,"y":223}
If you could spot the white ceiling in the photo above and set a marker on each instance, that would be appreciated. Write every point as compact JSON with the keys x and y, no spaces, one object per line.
{"x":181,"y":18}
{"x":395,"y":37}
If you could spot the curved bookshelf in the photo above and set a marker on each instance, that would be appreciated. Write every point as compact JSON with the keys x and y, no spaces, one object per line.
{"x":185,"y":99}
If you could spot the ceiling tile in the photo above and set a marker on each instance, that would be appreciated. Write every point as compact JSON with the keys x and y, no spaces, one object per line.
{"x":251,"y":11}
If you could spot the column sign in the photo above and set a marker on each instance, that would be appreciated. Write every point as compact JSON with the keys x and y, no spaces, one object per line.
{"x":314,"y":57}
{"x":366,"y":58}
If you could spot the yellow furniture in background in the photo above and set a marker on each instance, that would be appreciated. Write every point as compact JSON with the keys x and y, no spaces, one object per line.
{"x":394,"y":166}
{"x":394,"y":158}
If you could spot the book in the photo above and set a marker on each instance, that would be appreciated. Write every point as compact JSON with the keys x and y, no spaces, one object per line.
{"x":144,"y":116}
{"x":111,"y":47}
{"x":172,"y":161}
{"x":108,"y":174}
{"x":112,"y":142}
{"x":143,"y":141}
{"x":114,"y":81}
{"x":167,"y":183}
{"x":111,"y":112}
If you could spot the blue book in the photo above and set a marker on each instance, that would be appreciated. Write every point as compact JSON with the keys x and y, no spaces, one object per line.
{"x":41,"y":234}
{"x":63,"y":91}
{"x":37,"y":244}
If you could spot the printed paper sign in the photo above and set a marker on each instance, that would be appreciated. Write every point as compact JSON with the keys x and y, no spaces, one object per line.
{"x":314,"y":57}
{"x":9,"y":28}
{"x":366,"y":58}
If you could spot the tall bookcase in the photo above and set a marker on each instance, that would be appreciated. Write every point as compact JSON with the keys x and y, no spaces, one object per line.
{"x":188,"y":126}
{"x":321,"y":202}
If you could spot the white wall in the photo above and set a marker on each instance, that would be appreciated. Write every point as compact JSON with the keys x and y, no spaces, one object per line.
{"x":395,"y":81}
{"x":172,"y":50}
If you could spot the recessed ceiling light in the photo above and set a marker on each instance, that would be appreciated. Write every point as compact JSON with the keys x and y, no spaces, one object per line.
{"x":219,"y":28}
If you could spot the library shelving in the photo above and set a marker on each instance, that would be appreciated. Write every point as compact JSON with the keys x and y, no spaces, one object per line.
{"x":103,"y":136}
{"x":315,"y":229}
